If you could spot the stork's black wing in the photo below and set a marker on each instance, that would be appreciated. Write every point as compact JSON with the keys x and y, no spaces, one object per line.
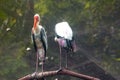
{"x":44,"y":39}
{"x":33,"y":39}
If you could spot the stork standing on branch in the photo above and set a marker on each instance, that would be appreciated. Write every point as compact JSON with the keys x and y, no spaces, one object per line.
{"x":64,"y":37}
{"x":39,"y":39}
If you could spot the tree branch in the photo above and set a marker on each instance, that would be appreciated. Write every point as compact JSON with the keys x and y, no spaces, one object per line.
{"x":57,"y":72}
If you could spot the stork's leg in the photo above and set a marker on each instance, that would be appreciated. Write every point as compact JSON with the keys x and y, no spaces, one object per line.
{"x":66,"y":59}
{"x":42,"y":66}
{"x":60,"y":57}
{"x":42,"y":60}
{"x":36,"y":62}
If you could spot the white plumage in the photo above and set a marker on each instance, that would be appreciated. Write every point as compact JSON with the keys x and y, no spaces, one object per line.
{"x":64,"y":37}
{"x":63,"y":29}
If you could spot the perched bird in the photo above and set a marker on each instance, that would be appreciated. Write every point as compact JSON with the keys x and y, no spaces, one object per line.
{"x":64,"y":37}
{"x":39,"y":39}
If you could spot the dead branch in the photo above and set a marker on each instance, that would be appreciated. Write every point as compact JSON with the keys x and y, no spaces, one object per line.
{"x":57,"y":72}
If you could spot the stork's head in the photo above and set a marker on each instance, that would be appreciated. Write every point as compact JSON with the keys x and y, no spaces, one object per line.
{"x":36,"y":20}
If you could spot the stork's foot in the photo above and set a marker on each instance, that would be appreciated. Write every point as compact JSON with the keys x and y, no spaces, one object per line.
{"x":34,"y":75}
{"x":60,"y":69}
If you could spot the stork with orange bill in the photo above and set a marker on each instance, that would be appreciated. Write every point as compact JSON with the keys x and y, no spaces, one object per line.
{"x":39,"y":39}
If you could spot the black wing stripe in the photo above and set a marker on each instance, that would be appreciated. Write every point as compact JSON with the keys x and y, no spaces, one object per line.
{"x":33,"y":37}
{"x":44,"y":39}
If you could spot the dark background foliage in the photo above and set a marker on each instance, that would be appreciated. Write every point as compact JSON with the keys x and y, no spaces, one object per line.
{"x":95,"y":24}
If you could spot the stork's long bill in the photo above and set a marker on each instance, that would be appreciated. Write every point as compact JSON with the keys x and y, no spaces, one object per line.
{"x":36,"y":19}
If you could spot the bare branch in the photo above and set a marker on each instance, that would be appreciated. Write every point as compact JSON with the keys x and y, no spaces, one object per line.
{"x":57,"y":72}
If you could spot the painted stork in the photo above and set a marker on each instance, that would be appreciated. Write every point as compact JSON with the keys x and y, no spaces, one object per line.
{"x":39,"y":39}
{"x":64,"y":37}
